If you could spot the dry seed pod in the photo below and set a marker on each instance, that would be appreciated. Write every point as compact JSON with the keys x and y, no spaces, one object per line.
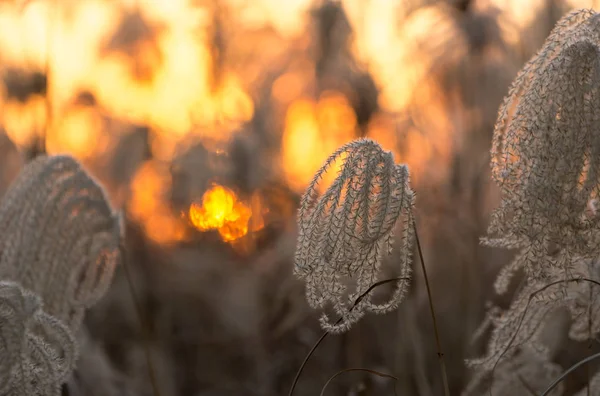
{"x":60,"y":238}
{"x":344,"y":233}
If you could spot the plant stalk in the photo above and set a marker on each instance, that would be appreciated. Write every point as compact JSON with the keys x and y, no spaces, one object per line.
{"x":433,"y":317}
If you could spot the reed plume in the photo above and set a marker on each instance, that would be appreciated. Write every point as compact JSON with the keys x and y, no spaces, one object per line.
{"x":344,"y":233}
{"x":546,"y":161}
{"x":60,"y":237}
{"x":546,"y":154}
{"x":38,"y":351}
{"x":59,"y":244}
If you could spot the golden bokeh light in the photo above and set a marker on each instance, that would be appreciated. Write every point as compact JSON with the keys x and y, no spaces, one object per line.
{"x":313,"y":130}
{"x":221,"y":210}
{"x":189,"y":70}
{"x":148,"y":205}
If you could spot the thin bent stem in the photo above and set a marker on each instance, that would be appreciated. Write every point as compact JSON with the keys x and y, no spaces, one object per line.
{"x":374,"y":372}
{"x":531,"y":297}
{"x":326,"y":333}
{"x":310,"y":353}
{"x":569,"y":371}
{"x":143,"y":325}
{"x":433,"y":318}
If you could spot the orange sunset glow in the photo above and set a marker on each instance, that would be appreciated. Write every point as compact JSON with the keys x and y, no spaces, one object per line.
{"x":194,"y":70}
{"x":265,"y":196}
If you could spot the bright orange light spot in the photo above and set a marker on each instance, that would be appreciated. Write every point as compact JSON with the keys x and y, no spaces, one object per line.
{"x":80,"y":133}
{"x":257,"y":221}
{"x":382,"y":129}
{"x":149,"y":207}
{"x":23,"y":122}
{"x":288,"y":87}
{"x":221,"y":210}
{"x":312,"y":132}
{"x":166,"y":81}
{"x":171,"y":82}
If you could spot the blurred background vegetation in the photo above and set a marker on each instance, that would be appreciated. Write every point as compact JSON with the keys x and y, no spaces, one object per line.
{"x":205,"y":120}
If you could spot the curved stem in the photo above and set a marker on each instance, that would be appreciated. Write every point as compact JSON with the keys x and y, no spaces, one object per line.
{"x":380,"y":374}
{"x":326,"y":333}
{"x":522,"y":318}
{"x":569,"y":371}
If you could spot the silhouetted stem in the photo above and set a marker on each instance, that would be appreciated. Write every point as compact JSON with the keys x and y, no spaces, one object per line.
{"x":531,"y":296}
{"x":433,"y":318}
{"x":569,"y":371}
{"x":143,"y":325}
{"x":380,"y":374}
{"x":314,"y":348}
